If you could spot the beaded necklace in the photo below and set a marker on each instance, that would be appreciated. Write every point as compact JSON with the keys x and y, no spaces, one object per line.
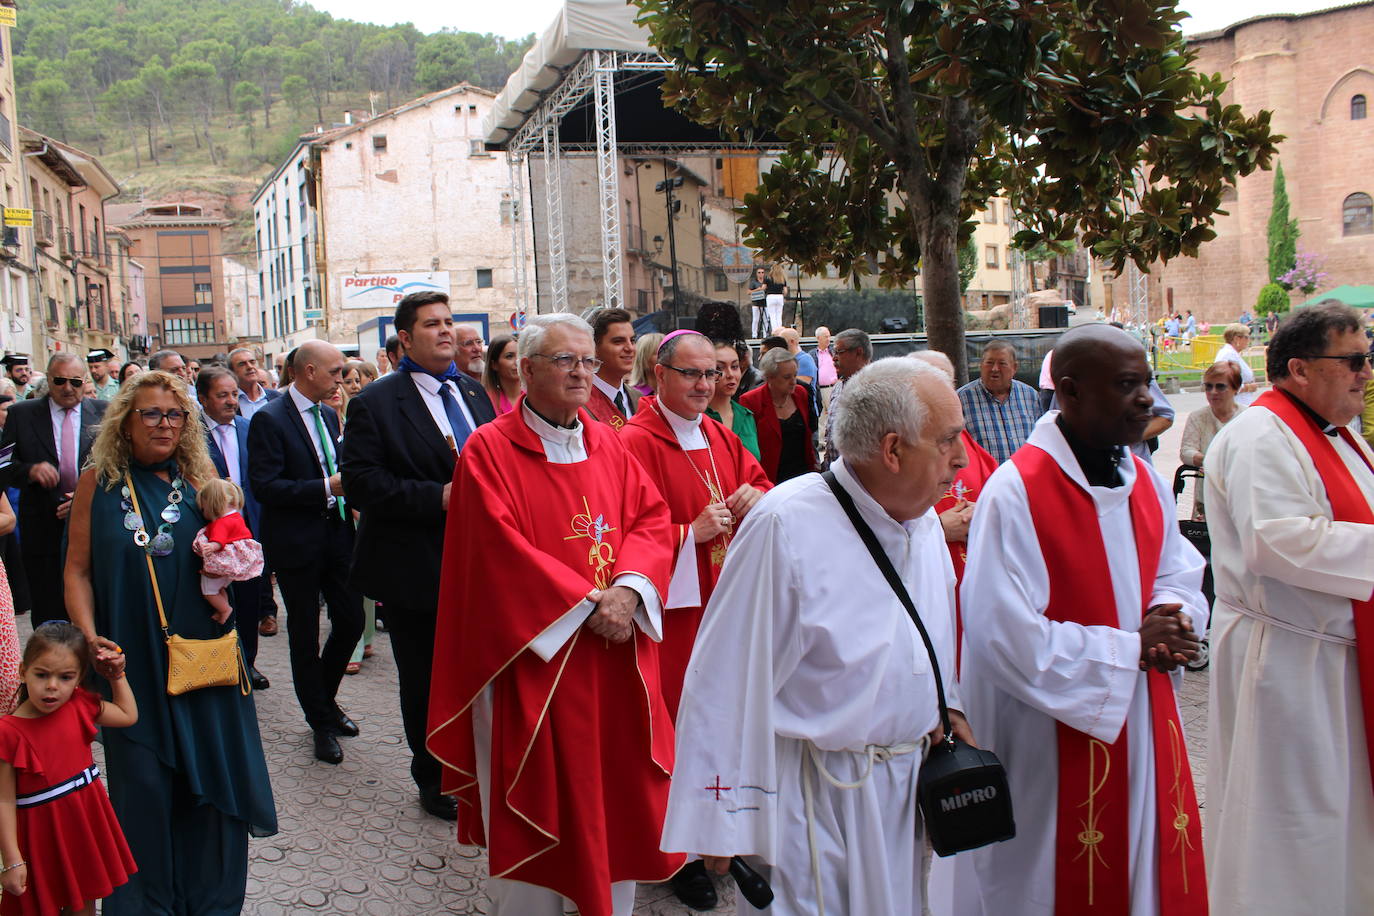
{"x":160,"y":544}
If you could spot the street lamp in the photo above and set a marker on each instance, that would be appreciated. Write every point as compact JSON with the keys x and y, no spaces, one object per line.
{"x":666,"y":187}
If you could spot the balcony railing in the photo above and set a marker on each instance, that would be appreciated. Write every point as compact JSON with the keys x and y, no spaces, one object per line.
{"x":93,"y":246}
{"x":6,"y":135}
{"x":635,"y":241}
{"x":52,"y":311}
{"x":44,"y":230}
{"x":66,"y":243}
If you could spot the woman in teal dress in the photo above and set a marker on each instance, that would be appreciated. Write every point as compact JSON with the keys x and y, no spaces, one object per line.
{"x":188,"y":781}
{"x":723,"y":405}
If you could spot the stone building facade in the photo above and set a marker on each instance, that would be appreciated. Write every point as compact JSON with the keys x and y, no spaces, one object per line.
{"x":1315,"y":72}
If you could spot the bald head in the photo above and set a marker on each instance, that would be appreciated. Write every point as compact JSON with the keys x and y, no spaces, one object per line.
{"x":1102,"y":381}
{"x":935,"y":358}
{"x":318,"y":367}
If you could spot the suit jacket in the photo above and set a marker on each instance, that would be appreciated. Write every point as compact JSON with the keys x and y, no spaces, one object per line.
{"x":288,"y":483}
{"x":29,"y":430}
{"x":395,"y":465}
{"x":252,"y":512}
{"x":271,"y":393}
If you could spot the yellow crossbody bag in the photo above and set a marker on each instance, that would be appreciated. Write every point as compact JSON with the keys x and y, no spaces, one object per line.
{"x":193,"y":664}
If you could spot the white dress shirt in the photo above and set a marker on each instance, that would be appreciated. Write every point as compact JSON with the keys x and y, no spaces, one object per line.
{"x":248,"y":406}
{"x":565,"y":446}
{"x":304,"y":405}
{"x":611,"y":391}
{"x":428,"y":386}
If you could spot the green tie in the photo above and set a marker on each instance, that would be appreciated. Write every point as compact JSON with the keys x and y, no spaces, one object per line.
{"x":327,"y":447}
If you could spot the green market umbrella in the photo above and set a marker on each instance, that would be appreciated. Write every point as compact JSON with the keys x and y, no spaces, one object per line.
{"x":1360,"y":297}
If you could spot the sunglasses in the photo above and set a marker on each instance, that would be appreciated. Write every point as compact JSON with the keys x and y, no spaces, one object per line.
{"x":1355,"y":362}
{"x":59,"y":380}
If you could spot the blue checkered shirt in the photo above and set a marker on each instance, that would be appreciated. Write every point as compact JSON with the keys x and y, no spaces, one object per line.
{"x":1001,"y":427}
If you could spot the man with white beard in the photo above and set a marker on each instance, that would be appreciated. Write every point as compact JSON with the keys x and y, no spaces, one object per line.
{"x":808,"y":663}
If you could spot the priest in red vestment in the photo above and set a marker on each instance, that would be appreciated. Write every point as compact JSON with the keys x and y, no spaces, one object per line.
{"x":545,"y":709}
{"x":710,"y":481}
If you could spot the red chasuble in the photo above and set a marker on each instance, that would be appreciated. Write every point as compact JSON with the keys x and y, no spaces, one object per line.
{"x":603,"y":410}
{"x":968,"y":484}
{"x":1348,"y":504}
{"x":1092,"y":849}
{"x":682,"y":479}
{"x":582,"y":745}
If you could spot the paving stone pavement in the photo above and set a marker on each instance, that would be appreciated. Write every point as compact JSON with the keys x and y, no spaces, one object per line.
{"x":353,"y":838}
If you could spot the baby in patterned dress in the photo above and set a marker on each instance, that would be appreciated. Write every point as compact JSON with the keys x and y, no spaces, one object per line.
{"x":226,"y":547}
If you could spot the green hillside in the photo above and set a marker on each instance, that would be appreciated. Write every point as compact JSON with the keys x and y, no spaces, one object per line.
{"x":209,"y":95}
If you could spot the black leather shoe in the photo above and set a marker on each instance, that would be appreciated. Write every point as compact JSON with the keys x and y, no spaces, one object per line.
{"x":343,"y":725}
{"x":694,"y":887}
{"x":444,"y":807}
{"x":259,"y":680}
{"x":327,"y":747}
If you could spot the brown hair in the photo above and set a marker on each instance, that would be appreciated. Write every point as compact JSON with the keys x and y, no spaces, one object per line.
{"x":1225,"y":371}
{"x":55,"y":634}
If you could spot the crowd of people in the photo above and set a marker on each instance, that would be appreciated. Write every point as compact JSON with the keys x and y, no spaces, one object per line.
{"x":695,"y":658}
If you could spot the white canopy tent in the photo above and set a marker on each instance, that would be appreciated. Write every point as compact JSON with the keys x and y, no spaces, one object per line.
{"x":573,"y":69}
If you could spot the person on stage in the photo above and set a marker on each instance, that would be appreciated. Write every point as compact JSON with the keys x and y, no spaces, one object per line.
{"x":545,"y":710}
{"x":810,"y":700}
{"x":1079,"y":598}
{"x":1290,"y":507}
{"x":710,"y":482}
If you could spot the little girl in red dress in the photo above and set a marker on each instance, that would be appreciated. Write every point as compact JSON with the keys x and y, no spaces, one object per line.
{"x":64,"y":849}
{"x":226,"y":547}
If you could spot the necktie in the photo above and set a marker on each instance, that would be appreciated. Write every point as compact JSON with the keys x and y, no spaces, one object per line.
{"x":66,"y":471}
{"x":222,"y":433}
{"x":620,"y":401}
{"x":456,"y":421}
{"x":327,"y":446}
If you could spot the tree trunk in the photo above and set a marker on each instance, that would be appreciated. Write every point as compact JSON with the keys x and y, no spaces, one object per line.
{"x":944,"y":306}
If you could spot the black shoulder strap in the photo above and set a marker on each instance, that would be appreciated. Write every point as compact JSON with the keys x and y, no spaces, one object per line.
{"x":895,"y":581}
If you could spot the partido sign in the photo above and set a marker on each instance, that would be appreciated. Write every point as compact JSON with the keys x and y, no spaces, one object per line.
{"x":383,"y":290}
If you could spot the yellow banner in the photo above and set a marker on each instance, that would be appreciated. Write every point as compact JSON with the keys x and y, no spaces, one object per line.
{"x":19,"y":217}
{"x":9,"y":16}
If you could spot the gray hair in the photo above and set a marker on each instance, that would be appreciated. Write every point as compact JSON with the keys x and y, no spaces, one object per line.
{"x":155,"y":361}
{"x":994,"y":345}
{"x":857,"y":339}
{"x":881,"y":399}
{"x":771,"y":362}
{"x":65,"y":356}
{"x":532,"y":337}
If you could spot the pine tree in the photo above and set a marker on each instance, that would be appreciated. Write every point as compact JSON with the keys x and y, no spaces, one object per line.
{"x":1283,"y":232}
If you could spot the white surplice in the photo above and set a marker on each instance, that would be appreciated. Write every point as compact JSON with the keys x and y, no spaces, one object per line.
{"x":1022,"y":671}
{"x":805,"y":648}
{"x":1290,"y":809}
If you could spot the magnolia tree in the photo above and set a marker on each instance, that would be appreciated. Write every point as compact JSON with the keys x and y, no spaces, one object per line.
{"x":902,"y":117}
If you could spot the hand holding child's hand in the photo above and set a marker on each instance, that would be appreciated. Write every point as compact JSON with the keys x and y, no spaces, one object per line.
{"x":110,"y":667}
{"x":16,"y":880}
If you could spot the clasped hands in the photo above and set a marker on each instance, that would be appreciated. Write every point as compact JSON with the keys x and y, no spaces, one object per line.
{"x":615,"y":612}
{"x":718,"y":518}
{"x":1167,"y":638}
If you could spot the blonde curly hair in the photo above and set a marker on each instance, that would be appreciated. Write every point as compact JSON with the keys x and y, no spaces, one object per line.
{"x":110,"y":453}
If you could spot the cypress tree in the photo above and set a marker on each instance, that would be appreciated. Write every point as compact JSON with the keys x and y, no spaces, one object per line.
{"x":1283,"y":232}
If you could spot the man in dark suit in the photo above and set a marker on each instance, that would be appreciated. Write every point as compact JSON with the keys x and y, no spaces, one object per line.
{"x":226,"y":434}
{"x":51,"y":437}
{"x":252,"y":394}
{"x":403,"y":433}
{"x":307,"y":534}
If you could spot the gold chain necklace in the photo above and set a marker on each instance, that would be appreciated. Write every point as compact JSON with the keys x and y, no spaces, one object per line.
{"x":714,"y":491}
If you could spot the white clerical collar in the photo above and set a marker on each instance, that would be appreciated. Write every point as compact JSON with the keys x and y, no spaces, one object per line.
{"x":610,"y":391}
{"x":688,"y":432}
{"x":561,"y":438}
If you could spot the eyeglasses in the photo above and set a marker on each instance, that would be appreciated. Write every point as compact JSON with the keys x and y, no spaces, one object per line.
{"x":1355,"y":362}
{"x":152,"y":417}
{"x":59,"y":381}
{"x":1215,"y":386}
{"x":566,"y":361}
{"x":695,"y":375}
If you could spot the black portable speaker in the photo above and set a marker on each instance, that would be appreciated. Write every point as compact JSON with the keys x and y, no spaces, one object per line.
{"x":964,"y":798}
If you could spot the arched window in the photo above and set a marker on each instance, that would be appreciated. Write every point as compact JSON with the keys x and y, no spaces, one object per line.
{"x":1357,"y":107}
{"x":1357,"y":215}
